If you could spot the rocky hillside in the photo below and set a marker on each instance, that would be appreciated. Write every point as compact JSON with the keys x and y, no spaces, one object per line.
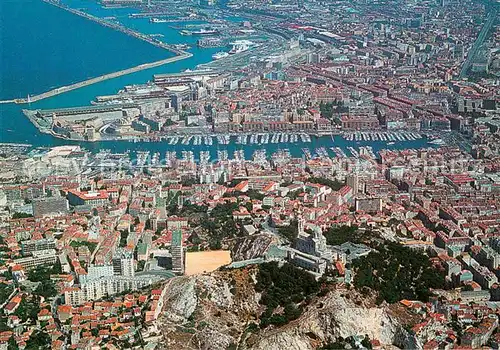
{"x":251,"y":247}
{"x":220,"y":311}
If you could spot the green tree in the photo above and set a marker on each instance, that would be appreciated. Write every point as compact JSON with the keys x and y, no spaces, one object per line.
{"x":12,"y":345}
{"x":123,"y":238}
{"x":40,"y":273}
{"x":38,"y":340}
{"x":28,"y":310}
{"x":333,"y":184}
{"x":342,"y":234}
{"x":21,"y":216}
{"x":290,"y":232}
{"x":284,"y":286}
{"x":401,"y":273}
{"x":5,"y":291}
{"x":57,"y":268}
{"x":3,"y":324}
{"x":46,"y":289}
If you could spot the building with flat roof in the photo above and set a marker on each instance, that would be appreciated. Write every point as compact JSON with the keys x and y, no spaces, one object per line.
{"x":359,"y":123}
{"x":123,"y":263}
{"x":368,"y":205}
{"x":28,"y":247}
{"x":50,"y":206}
{"x":105,"y":286}
{"x":90,"y":198}
{"x":38,"y":258}
{"x":177,"y":251}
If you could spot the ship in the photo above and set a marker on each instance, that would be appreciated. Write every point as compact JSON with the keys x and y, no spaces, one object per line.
{"x":182,"y":46}
{"x":238,"y":48}
{"x":157,"y":20}
{"x":202,"y":31}
{"x":438,"y":142}
{"x":219,"y":55}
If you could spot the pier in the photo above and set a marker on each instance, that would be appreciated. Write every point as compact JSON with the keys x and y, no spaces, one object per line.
{"x":180,"y":55}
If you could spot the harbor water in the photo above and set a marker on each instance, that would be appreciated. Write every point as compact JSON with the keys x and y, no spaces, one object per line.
{"x":46,"y":47}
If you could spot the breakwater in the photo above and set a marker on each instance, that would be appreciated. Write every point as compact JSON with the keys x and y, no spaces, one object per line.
{"x":98,"y":79}
{"x":117,"y":27}
{"x":180,"y":55}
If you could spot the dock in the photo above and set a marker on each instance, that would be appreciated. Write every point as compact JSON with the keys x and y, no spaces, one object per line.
{"x":9,"y":144}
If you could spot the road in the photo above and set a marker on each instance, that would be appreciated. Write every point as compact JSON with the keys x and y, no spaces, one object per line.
{"x":280,"y":239}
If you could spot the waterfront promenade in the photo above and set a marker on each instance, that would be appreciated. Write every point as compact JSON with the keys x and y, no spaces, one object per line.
{"x":180,"y":55}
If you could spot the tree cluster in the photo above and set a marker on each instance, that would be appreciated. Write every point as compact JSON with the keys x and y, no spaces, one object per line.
{"x":28,"y":309}
{"x":348,"y":343}
{"x":90,"y":245}
{"x":290,"y":232}
{"x":21,"y":215}
{"x":123,"y":238}
{"x":38,"y":340}
{"x":342,"y":234}
{"x":333,"y":184}
{"x":220,"y":224}
{"x":286,"y":286}
{"x":329,"y":109}
{"x":46,"y":287}
{"x":397,"y":273}
{"x":5,"y":291}
{"x":41,"y":273}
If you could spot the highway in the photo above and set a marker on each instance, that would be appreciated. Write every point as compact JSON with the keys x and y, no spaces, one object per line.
{"x":477,"y":44}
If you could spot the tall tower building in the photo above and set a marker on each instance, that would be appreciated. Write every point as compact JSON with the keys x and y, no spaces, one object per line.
{"x":300,"y":223}
{"x":353,"y":182}
{"x":177,"y":251}
{"x":123,"y":263}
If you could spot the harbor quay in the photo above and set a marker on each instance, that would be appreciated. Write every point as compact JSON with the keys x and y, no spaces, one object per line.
{"x":194,"y":108}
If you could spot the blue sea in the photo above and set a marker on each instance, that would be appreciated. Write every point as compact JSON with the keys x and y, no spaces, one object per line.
{"x":43,"y":47}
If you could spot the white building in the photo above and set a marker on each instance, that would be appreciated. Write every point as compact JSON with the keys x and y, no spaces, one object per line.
{"x":96,"y":272}
{"x":40,"y":257}
{"x":105,"y":286}
{"x":123,"y":263}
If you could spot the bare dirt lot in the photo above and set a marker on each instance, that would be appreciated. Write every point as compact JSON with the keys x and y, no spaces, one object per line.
{"x":199,"y":262}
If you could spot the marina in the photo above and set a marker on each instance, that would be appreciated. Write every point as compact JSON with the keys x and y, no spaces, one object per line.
{"x":264,"y":139}
{"x":150,"y":159}
{"x":214,"y":143}
{"x":389,"y":136}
